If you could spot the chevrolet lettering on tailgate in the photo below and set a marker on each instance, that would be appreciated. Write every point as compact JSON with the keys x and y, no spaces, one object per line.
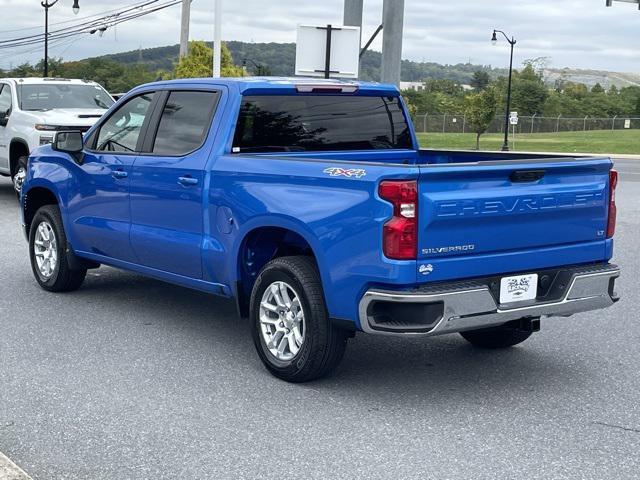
{"x":518,"y":204}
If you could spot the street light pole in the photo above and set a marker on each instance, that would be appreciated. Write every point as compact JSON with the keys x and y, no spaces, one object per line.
{"x":512,"y":42}
{"x":47,"y":4}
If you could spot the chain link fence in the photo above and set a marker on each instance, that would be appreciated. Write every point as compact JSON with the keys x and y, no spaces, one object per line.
{"x":452,"y":123}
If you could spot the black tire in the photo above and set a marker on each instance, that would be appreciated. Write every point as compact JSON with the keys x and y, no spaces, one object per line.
{"x":62,"y":278}
{"x":21,"y":168}
{"x":324,"y":343}
{"x":497,"y":337}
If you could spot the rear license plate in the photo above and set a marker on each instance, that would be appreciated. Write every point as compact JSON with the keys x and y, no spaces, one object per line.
{"x":519,"y":288}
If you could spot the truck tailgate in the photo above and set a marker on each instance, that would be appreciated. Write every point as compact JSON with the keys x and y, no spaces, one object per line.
{"x":506,"y":216}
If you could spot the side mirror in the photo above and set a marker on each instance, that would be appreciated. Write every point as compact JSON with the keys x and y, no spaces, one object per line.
{"x":70,"y":142}
{"x":4,"y":119}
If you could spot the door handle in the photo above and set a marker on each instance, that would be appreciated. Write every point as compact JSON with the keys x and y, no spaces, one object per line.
{"x":523,"y":176}
{"x":119,"y":174}
{"x":187,"y":181}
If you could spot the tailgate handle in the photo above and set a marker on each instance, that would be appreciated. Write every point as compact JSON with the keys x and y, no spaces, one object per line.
{"x":521,"y":176}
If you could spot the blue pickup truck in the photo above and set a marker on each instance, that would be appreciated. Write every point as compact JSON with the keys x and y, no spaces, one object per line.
{"x":311,"y":204}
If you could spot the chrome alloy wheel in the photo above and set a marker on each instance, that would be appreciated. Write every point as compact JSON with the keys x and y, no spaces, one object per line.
{"x":19,"y":178}
{"x":45,"y":249}
{"x":282,"y":321}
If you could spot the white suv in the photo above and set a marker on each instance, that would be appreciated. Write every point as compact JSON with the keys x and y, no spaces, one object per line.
{"x":32,"y":109}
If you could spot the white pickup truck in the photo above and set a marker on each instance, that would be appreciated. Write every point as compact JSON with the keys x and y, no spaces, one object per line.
{"x":33,"y":109}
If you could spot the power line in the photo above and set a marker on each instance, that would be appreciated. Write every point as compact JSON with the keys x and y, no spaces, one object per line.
{"x":78,"y":19}
{"x":100,"y":24}
{"x":30,"y":49}
{"x":78,"y":25}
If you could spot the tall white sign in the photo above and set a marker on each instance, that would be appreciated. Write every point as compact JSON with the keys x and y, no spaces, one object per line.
{"x":342,"y":44}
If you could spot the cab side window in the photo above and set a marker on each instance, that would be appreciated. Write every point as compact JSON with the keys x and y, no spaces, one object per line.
{"x":121,"y":131}
{"x":5,"y":99}
{"x":185,"y":122}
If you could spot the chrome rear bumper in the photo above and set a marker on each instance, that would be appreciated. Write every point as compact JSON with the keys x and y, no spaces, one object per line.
{"x":459,"y":306}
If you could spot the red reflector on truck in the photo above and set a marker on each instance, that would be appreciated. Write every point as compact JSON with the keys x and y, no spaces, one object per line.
{"x":611,"y":221}
{"x":400,"y":234}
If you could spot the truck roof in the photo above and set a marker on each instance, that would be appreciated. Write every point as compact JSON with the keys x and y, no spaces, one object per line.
{"x":286,"y":84}
{"x":48,"y":80}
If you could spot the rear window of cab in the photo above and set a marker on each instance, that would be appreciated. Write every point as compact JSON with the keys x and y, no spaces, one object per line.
{"x":300,"y":123}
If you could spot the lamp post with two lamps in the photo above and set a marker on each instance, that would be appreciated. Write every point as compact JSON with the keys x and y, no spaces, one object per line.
{"x":47,"y":4}
{"x":512,"y":42}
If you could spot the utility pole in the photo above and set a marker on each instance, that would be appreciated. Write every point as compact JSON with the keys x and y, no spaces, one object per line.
{"x":353,"y":14}
{"x":217,"y":39}
{"x":353,"y":17}
{"x":393,"y":20}
{"x":184,"y":28}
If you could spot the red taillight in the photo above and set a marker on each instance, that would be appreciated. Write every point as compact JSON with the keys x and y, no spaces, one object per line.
{"x":611,"y":222}
{"x":400,"y":234}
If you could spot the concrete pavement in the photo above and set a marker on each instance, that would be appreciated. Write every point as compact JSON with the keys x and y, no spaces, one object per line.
{"x":131,"y":378}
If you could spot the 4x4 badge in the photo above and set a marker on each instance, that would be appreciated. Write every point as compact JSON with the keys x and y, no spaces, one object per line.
{"x":345,"y":172}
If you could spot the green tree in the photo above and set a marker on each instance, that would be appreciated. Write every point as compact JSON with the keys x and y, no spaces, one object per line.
{"x":529,"y":91}
{"x":25,"y":70}
{"x":199,"y":62}
{"x":480,"y":111}
{"x":411,"y":107}
{"x":480,"y":80}
{"x":575,"y":90}
{"x":422,"y":101}
{"x":55,"y":65}
{"x":597,"y":89}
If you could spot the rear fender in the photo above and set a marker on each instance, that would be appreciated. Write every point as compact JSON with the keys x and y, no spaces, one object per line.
{"x":276,"y":221}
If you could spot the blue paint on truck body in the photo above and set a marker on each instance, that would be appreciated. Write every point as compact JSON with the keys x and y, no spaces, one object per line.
{"x":130,"y":210}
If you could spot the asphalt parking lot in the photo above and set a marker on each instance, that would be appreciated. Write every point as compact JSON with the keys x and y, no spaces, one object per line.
{"x":132,"y":378}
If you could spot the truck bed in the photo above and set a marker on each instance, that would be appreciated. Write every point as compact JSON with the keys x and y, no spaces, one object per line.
{"x":430,"y":157}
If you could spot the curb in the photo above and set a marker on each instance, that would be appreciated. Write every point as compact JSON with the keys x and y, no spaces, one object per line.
{"x":11,"y":471}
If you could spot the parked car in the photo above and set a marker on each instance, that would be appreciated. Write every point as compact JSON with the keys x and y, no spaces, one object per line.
{"x":311,"y":204}
{"x":33,"y":109}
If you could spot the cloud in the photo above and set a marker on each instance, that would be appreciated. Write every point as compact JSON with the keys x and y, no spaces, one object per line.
{"x":574,"y":33}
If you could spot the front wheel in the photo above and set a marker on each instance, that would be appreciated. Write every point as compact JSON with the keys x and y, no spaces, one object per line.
{"x":497,"y":337}
{"x":48,"y":252}
{"x":20,"y":175}
{"x":290,"y":326}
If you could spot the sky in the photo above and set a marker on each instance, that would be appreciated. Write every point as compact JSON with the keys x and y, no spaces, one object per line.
{"x":571,"y":33}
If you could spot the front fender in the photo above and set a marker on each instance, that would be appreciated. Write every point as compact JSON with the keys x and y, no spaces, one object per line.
{"x":52,"y":176}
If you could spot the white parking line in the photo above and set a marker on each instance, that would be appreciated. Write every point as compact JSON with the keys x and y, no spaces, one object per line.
{"x":11,"y":471}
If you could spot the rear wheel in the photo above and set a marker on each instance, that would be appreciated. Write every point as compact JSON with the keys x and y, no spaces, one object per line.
{"x":496,"y":337}
{"x":290,"y":326}
{"x":48,"y":252}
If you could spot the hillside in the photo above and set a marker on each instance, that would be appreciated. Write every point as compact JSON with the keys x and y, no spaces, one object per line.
{"x":591,"y":77}
{"x":280,"y":58}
